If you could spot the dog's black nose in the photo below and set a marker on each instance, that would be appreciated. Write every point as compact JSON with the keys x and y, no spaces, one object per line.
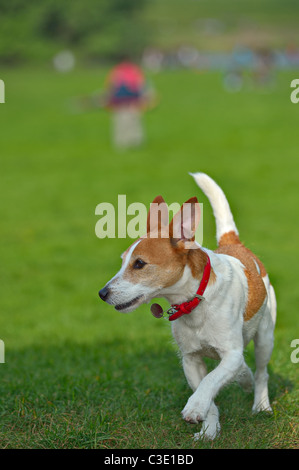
{"x":104,"y":293}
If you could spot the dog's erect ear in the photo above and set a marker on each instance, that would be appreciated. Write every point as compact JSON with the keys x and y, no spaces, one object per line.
{"x":184,"y":224}
{"x":157,"y":217}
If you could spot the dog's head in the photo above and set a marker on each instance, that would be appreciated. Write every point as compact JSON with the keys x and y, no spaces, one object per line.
{"x":154,"y":265}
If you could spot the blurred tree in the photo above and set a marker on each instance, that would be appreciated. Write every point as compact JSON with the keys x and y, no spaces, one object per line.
{"x":99,"y":29}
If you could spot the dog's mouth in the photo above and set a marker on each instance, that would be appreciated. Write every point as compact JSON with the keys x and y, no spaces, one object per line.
{"x":128,"y":304}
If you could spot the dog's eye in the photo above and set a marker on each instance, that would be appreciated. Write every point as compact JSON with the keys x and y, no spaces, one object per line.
{"x":138,"y":264}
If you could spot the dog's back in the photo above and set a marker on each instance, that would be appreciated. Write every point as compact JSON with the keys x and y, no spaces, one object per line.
{"x":229,"y":244}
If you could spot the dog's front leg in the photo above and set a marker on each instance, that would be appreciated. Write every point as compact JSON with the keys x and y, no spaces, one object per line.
{"x":195,"y":369}
{"x":199,"y":403}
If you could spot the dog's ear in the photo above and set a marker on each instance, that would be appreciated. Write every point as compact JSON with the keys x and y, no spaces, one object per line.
{"x":183,"y":226}
{"x":157,"y":217}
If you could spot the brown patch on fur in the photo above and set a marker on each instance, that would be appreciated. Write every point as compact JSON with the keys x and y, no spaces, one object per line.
{"x":261,"y":266}
{"x":124,"y":254}
{"x":229,"y":238}
{"x":256,"y":287}
{"x":256,"y":294}
{"x":165,"y":262}
{"x":197,"y":260}
{"x":165,"y":265}
{"x":213,"y":277}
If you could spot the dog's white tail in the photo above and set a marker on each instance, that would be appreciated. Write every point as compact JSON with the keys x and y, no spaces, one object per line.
{"x":224,"y":219}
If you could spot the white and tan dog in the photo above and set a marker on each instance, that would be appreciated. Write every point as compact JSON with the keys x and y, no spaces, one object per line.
{"x":239,"y":303}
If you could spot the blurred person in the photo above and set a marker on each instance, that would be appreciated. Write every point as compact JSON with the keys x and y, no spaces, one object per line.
{"x":241,"y":61}
{"x":127,"y":95}
{"x":292,"y":55}
{"x":263,"y":74}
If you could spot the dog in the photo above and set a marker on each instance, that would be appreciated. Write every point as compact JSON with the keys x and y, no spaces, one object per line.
{"x":220,"y":301}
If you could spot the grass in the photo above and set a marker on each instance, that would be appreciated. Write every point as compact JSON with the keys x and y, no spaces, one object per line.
{"x":77,"y":373}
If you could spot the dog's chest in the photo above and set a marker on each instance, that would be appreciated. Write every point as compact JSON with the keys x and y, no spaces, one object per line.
{"x":195,"y":340}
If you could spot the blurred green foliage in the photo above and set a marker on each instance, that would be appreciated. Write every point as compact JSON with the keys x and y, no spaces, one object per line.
{"x":105,"y":30}
{"x":102,"y":28}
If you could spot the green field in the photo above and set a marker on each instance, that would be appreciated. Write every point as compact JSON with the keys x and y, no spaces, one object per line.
{"x":77,"y":374}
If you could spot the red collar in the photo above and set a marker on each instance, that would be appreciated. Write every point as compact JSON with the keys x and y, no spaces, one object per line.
{"x":187,"y":307}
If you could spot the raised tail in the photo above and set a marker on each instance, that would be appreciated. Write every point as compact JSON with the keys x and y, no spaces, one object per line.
{"x":226,"y":230}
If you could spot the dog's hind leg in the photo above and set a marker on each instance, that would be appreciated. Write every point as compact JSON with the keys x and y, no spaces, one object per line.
{"x":195,"y":370}
{"x":245,"y":378}
{"x":263,"y":344}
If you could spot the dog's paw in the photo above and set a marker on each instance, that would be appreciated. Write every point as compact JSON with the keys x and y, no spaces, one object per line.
{"x":191,"y":417}
{"x":194,"y":411}
{"x":262,"y":406}
{"x":209,"y":431}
